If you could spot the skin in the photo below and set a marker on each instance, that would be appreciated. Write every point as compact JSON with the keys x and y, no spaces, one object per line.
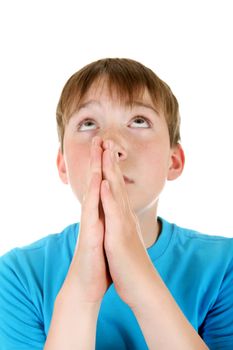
{"x":120,"y":141}
{"x":118,"y":221}
{"x":144,"y":153}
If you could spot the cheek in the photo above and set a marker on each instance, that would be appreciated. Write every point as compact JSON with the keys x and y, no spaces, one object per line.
{"x":154,"y":156}
{"x":78,"y":163}
{"x":77,"y":154}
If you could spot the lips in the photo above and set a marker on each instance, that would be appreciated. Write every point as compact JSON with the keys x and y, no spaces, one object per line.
{"x":127,"y":180}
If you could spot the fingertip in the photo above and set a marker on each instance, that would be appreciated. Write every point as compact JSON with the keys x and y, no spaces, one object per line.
{"x":96,"y":141}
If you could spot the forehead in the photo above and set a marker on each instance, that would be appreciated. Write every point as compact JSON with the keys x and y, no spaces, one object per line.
{"x":108,"y":92}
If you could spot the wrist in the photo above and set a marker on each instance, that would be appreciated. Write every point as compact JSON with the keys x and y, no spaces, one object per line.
{"x":73,"y":324}
{"x":73,"y":303}
{"x":150,"y":292}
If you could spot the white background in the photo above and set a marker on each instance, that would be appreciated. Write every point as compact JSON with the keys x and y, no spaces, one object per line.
{"x":187,"y":43}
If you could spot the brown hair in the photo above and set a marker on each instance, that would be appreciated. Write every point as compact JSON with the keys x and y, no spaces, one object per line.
{"x":129,"y":79}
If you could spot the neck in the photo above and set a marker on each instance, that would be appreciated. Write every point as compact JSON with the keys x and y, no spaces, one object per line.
{"x":150,"y":226}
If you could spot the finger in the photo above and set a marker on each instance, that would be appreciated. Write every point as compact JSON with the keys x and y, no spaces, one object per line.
{"x":111,"y":169}
{"x":119,"y":221}
{"x":95,"y":165}
{"x":92,"y":196}
{"x":109,"y":204}
{"x":96,"y":153}
{"x":112,"y":173}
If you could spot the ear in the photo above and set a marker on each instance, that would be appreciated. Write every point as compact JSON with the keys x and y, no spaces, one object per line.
{"x":177,"y":160}
{"x":61,"y":166}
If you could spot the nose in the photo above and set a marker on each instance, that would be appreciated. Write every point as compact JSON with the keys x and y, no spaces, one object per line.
{"x":116,"y":144}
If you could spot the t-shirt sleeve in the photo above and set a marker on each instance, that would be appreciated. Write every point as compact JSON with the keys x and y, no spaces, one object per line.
{"x":21,"y":326}
{"x":217,"y":329}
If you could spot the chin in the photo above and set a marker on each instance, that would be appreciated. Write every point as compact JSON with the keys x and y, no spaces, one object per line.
{"x":149,"y":207}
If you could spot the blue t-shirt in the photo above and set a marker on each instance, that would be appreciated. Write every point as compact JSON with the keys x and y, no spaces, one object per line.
{"x":197,"y":269}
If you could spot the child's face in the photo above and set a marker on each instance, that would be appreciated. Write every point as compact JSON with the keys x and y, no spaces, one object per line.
{"x":140,"y":136}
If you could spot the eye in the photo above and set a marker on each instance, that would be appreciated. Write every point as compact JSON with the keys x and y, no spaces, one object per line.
{"x":140,"y":122}
{"x":86,"y":125}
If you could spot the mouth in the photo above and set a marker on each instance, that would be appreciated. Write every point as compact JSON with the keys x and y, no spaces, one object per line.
{"x":127,"y":180}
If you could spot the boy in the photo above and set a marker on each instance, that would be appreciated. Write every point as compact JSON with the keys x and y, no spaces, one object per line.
{"x":123,"y":278}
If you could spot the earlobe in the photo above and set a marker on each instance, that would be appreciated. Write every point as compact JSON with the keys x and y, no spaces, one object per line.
{"x":61,"y":166}
{"x":177,"y":160}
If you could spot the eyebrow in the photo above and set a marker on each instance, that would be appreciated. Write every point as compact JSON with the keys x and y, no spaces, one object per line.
{"x":145,"y":105}
{"x":135,"y":103}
